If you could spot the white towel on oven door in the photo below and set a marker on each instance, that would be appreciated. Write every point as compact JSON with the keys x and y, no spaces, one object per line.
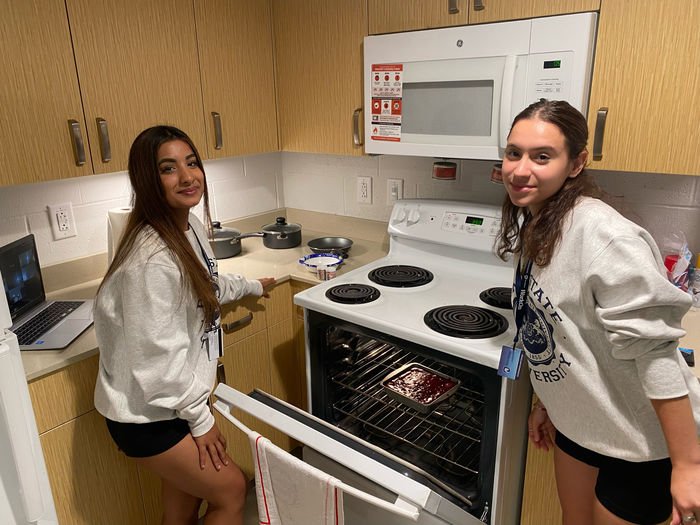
{"x":291,"y":492}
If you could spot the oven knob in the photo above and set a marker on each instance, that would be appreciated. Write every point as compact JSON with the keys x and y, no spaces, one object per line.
{"x":413,"y":217}
{"x":399,"y":217}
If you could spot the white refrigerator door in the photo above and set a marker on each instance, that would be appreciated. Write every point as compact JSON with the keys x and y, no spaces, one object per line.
{"x":25,"y":493}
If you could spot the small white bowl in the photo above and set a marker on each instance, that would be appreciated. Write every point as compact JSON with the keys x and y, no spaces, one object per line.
{"x":329,"y":260}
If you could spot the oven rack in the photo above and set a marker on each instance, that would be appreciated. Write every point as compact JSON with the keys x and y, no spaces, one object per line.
{"x":450,"y":435}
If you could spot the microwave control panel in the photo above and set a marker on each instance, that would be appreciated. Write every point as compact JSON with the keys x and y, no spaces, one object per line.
{"x":549,"y":75}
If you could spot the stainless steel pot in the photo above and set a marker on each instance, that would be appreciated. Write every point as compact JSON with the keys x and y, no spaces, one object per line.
{"x":279,"y":235}
{"x":226,"y":242}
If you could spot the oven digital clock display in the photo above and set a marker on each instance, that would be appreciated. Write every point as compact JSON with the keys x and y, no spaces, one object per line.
{"x":476,"y":221}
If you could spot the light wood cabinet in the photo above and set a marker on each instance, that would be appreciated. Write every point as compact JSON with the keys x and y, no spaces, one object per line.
{"x":92,"y":482}
{"x":390,"y":16}
{"x":39,"y":94}
{"x":318,"y":61}
{"x":498,"y":10}
{"x":138,"y":67}
{"x":540,"y":501}
{"x":647,"y":73}
{"x":235,"y":56}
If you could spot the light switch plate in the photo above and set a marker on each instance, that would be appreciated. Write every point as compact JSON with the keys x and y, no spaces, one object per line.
{"x":394,"y":190}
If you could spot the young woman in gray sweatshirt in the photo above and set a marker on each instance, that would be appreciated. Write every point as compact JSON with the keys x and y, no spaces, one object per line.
{"x":157,"y":327}
{"x":600,"y":328}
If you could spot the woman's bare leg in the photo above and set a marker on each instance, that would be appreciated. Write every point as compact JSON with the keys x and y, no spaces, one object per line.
{"x":224,"y":490}
{"x":576,"y":487}
{"x":179,"y":508}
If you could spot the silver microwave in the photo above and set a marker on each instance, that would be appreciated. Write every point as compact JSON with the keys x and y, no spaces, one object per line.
{"x":454,"y":92}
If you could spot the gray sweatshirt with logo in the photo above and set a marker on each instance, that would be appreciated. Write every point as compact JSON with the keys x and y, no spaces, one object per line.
{"x":149,"y":329}
{"x":601,"y":333}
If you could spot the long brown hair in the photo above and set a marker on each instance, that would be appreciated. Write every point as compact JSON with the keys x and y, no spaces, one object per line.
{"x":536,"y":237}
{"x":150,"y":208}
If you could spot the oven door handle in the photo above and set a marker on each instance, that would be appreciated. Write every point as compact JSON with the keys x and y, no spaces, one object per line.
{"x":411,"y":494}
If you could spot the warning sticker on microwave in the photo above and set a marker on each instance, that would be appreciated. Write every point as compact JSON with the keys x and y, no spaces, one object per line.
{"x":386,"y":119}
{"x":387,"y":80}
{"x":387,"y":85}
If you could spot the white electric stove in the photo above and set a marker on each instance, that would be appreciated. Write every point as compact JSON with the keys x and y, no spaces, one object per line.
{"x":454,"y":242}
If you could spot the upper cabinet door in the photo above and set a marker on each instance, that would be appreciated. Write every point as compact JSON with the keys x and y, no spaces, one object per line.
{"x":496,"y":10}
{"x":39,"y":95}
{"x":384,"y":17}
{"x":318,"y":57}
{"x":235,"y":54}
{"x":647,"y":75}
{"x":137,"y":64}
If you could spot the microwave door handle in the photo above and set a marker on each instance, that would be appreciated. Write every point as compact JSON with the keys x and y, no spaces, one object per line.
{"x":506,"y":99}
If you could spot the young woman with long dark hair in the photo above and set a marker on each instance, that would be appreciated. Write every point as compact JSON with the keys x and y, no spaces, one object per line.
{"x":157,"y":325}
{"x":600,"y":330}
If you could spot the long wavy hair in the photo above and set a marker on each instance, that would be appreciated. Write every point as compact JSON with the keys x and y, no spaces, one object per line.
{"x":536,"y":237}
{"x":150,"y":208}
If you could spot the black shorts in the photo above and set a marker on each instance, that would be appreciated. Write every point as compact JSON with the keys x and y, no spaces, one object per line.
{"x":637,"y":492}
{"x":141,"y":440}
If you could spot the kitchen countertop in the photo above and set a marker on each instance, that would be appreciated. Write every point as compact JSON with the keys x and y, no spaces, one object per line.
{"x":255,"y":261}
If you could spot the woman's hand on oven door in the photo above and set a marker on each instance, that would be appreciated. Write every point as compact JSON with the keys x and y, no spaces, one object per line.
{"x":267,"y":281}
{"x":212,"y":445}
{"x":539,"y":427}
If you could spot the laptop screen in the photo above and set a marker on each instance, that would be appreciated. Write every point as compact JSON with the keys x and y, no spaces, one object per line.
{"x":21,"y":276}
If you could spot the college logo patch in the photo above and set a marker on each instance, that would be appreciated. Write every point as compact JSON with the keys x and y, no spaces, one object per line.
{"x":537,"y":336}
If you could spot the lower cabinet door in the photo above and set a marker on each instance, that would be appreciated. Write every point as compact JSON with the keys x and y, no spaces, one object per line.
{"x":93,"y":483}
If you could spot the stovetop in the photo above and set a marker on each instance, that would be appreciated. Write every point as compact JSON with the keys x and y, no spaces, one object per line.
{"x":453,"y":241}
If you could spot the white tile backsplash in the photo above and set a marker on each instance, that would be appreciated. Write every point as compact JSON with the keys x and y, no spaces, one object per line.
{"x":244,"y":186}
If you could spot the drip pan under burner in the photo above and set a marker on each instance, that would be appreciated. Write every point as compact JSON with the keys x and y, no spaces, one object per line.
{"x":467,"y":322}
{"x":353,"y":293}
{"x":498,"y":297}
{"x":400,"y":276}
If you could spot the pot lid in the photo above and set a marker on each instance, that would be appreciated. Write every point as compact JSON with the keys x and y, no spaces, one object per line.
{"x":221,"y":232}
{"x":282,"y":226}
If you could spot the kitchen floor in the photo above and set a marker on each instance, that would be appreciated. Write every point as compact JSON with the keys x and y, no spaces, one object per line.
{"x":250,"y":511}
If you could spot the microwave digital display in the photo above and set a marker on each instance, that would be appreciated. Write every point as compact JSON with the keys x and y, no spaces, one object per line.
{"x":476,"y":221}
{"x":552,"y":64}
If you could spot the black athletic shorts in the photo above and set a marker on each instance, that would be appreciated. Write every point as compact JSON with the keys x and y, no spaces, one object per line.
{"x":141,"y":440}
{"x":636,"y":492}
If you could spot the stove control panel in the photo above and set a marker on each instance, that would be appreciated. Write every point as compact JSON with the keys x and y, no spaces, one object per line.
{"x":470,"y":223}
{"x":461,"y":224}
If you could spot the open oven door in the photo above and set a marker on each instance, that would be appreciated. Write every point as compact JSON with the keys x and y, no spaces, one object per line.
{"x":397,"y":499}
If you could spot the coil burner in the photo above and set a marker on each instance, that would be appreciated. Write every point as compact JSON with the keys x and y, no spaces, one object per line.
{"x":400,"y":276}
{"x":352,"y":293}
{"x":467,"y":322}
{"x":498,"y":297}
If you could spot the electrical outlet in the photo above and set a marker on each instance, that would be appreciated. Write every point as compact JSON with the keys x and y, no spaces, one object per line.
{"x":394,"y":190}
{"x":364,"y":190}
{"x":62,"y":222}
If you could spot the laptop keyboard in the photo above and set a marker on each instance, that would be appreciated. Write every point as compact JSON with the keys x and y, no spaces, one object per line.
{"x":44,"y":321}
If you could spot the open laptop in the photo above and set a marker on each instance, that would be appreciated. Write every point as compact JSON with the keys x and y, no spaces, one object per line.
{"x":38,"y":324}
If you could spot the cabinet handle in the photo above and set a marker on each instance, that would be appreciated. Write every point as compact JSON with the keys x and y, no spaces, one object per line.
{"x":478,"y":5}
{"x":599,"y":133}
{"x":77,"y":140}
{"x":105,"y":148}
{"x":356,"y":127}
{"x":220,"y":373}
{"x":235,"y":324}
{"x":452,"y":7}
{"x":217,"y":130}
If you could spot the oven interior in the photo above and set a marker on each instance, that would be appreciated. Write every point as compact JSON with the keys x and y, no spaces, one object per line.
{"x":450,"y":448}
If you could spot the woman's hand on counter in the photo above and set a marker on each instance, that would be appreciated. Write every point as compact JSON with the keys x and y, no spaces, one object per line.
{"x":267,"y":281}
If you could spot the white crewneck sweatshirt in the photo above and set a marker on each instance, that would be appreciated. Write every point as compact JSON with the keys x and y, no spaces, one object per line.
{"x":601,"y":334}
{"x":153,"y":365}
